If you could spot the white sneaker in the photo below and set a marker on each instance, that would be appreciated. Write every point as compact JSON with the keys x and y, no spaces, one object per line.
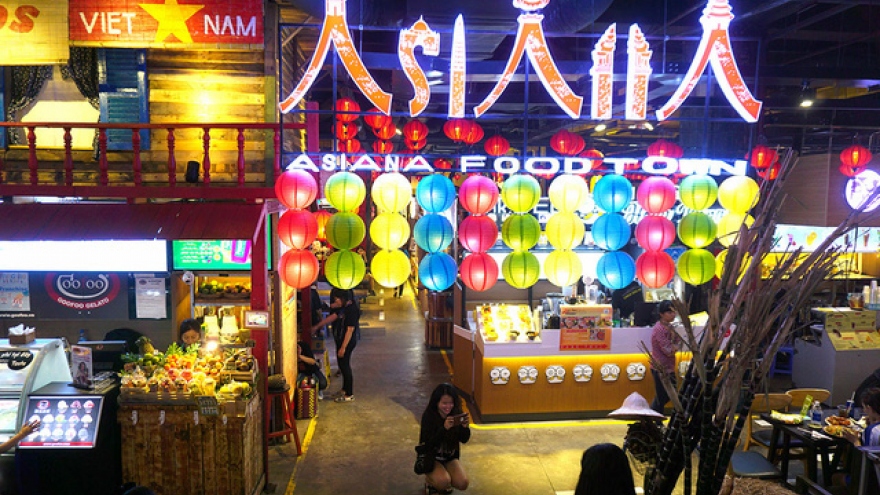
{"x":320,"y":395}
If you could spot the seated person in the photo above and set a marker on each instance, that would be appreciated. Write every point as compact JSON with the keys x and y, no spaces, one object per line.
{"x":190,"y":332}
{"x":307,"y":366}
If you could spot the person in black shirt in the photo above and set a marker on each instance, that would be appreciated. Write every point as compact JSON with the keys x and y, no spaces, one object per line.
{"x":345,"y":319}
{"x":307,"y":366}
{"x":625,"y":299}
{"x":443,"y":429}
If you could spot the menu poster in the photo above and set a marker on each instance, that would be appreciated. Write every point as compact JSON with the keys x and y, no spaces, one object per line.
{"x":81,"y":366}
{"x":14,"y":292}
{"x":585,"y":327}
{"x":149,"y":297}
{"x":69,"y":421}
{"x":211,"y":255}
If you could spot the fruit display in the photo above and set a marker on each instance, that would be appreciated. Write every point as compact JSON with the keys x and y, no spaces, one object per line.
{"x":230,"y":289}
{"x":507,"y":323}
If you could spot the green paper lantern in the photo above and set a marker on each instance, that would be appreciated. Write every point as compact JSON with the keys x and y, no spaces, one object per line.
{"x":563,"y":268}
{"x":344,"y":269}
{"x":521,"y":193}
{"x":728,"y":227}
{"x":390,"y":268}
{"x":698,"y":192}
{"x":738,"y":194}
{"x":345,"y":191}
{"x":568,"y":192}
{"x":345,"y":230}
{"x":521,"y":269}
{"x":696,"y":266}
{"x":389,"y":230}
{"x":520,"y":232}
{"x":565,"y":230}
{"x":697,"y":230}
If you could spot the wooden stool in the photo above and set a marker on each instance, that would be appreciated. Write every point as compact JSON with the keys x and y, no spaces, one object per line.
{"x":289,"y":423}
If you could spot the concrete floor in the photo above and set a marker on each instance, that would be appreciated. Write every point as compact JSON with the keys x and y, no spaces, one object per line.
{"x":366,"y":446}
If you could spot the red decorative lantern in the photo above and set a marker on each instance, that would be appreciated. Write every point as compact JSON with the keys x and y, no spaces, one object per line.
{"x":656,"y":194}
{"x":297,"y":229}
{"x":664,"y":148}
{"x":478,"y":194}
{"x":496,"y":145}
{"x":772,"y":172}
{"x":415,"y":130}
{"x":383,"y":147}
{"x":655,"y":233}
{"x":854,"y":160}
{"x":350,"y":146}
{"x":443,"y":164}
{"x":345,"y":130}
{"x":479,"y":271}
{"x":456,"y":129}
{"x":298,"y":268}
{"x":386,"y":132}
{"x":321,"y":219}
{"x":415,"y":145}
{"x":596,"y":158}
{"x":347,"y":105}
{"x":473,"y":135}
{"x":655,"y":269}
{"x":567,"y":143}
{"x":762,"y":156}
{"x":376,"y":119}
{"x":296,"y":189}
{"x":477,"y":233}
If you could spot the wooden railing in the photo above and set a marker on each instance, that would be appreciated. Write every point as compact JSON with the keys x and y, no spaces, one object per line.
{"x":31,"y":171}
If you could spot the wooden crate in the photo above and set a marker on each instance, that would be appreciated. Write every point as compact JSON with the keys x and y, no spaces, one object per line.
{"x":180,"y":457}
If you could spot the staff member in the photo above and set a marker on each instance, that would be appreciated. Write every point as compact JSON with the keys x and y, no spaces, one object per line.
{"x":345,"y":318}
{"x":664,"y":343}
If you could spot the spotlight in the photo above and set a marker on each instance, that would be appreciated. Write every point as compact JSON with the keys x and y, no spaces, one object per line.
{"x":601,"y":127}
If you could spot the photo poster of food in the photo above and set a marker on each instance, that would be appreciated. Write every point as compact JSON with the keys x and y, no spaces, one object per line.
{"x":15,"y":295}
{"x":585,"y":327}
{"x":65,"y":421}
{"x":81,"y":366}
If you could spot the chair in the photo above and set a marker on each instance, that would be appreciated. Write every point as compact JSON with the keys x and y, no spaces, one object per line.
{"x":753,"y":465}
{"x":288,"y":422}
{"x":799,"y":394}
{"x":763,"y":403}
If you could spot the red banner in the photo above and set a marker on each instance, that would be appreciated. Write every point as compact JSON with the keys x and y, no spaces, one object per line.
{"x":165,"y":23}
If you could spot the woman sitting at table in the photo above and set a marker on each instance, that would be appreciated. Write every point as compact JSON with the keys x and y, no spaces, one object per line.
{"x":870,"y":400}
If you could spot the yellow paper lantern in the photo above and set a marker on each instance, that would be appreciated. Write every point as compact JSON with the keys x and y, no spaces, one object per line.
{"x":565,"y":230}
{"x":563,"y":268}
{"x":696,"y":266}
{"x":568,"y":192}
{"x":521,"y":269}
{"x":728,"y":227}
{"x":345,"y":191}
{"x":698,"y":192}
{"x":345,"y":230}
{"x":696,"y":230}
{"x":391,"y":192}
{"x":344,"y":269}
{"x":389,"y":230}
{"x":721,"y":258}
{"x":390,"y":268}
{"x":738,"y":194}
{"x":521,"y":193}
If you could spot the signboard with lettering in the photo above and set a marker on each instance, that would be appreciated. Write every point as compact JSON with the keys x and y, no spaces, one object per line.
{"x":16,"y":360}
{"x":30,"y":32}
{"x":211,"y":255}
{"x":585,"y":327}
{"x":165,"y":23}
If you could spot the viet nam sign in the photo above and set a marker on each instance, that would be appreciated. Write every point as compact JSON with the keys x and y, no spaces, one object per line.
{"x":29,"y":32}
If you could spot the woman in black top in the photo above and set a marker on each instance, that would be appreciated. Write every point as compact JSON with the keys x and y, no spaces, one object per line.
{"x":605,"y":471}
{"x":444,"y":428}
{"x":345,"y":318}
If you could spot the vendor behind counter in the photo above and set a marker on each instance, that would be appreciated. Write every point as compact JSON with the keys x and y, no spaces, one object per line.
{"x":626,"y":299}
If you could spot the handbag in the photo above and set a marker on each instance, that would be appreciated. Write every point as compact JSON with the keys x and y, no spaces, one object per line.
{"x":424,"y":462}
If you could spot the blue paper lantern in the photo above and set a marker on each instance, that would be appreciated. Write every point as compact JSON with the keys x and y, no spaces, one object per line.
{"x":435,"y":193}
{"x":437,"y":271}
{"x":611,"y":232}
{"x":612,"y":193}
{"x":616,"y":270}
{"x":433,"y":233}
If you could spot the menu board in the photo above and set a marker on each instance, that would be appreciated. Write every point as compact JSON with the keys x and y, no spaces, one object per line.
{"x":790,"y":237}
{"x":66,"y":422}
{"x":585,"y":327}
{"x":211,"y":255}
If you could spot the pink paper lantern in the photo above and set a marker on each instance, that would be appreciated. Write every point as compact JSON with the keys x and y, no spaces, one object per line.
{"x":478,"y":194}
{"x":656,"y":194}
{"x":477,"y":233}
{"x":655,"y":269}
{"x":479,"y":272}
{"x":655,"y":233}
{"x":297,"y":229}
{"x":296,"y":189}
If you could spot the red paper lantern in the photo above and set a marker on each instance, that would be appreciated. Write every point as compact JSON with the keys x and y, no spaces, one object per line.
{"x":655,"y":233}
{"x":656,"y":194}
{"x":443,"y":164}
{"x":478,"y":233}
{"x":321,"y":219}
{"x":596,"y":158}
{"x":415,"y":130}
{"x":496,"y":145}
{"x":478,"y":194}
{"x":762,"y":156}
{"x":473,"y":135}
{"x":655,"y":269}
{"x":345,"y":130}
{"x":415,"y":145}
{"x":386,"y":132}
{"x":664,"y":148}
{"x":383,"y":147}
{"x":298,"y":268}
{"x":350,"y":146}
{"x":347,"y":105}
{"x":376,"y":119}
{"x":854,"y":160}
{"x":479,"y":271}
{"x":567,"y":143}
{"x":456,"y":129}
{"x":296,"y":189}
{"x":772,"y":172}
{"x":297,"y":229}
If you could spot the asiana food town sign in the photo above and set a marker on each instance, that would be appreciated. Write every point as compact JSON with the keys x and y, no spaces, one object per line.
{"x":714,"y":48}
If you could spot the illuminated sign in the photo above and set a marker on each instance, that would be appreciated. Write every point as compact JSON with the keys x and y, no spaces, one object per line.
{"x":714,"y":49}
{"x":860,"y":188}
{"x":29,"y":32}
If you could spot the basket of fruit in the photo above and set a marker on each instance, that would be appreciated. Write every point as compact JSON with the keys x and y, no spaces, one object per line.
{"x":210,"y":290}
{"x":237,"y":291}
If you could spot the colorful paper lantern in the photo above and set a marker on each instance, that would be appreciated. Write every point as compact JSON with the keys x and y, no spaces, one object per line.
{"x":296,"y":189}
{"x":656,"y":194}
{"x":347,"y":105}
{"x":521,"y":193}
{"x":437,"y":271}
{"x":565,"y":230}
{"x":854,"y":160}
{"x":696,"y":266}
{"x":391,"y":192}
{"x":297,"y":229}
{"x":612,"y":193}
{"x":390,"y":268}
{"x":568,"y":192}
{"x":477,"y":233}
{"x":345,"y":230}
{"x":738,"y":194}
{"x":345,"y":191}
{"x":762,"y":156}
{"x":520,"y":232}
{"x":435,"y":193}
{"x":376,"y":119}
{"x":521,"y":269}
{"x":478,"y":194}
{"x":479,"y":271}
{"x":655,"y":233}
{"x":721,"y":258}
{"x":415,"y":130}
{"x":697,"y":230}
{"x":655,"y":269}
{"x":321,"y":219}
{"x":698,"y":192}
{"x":616,"y":270}
{"x":497,"y":145}
{"x":433,"y":233}
{"x":563,"y":268}
{"x":729,"y":225}
{"x":389,"y":230}
{"x":610,"y":231}
{"x":298,"y":268}
{"x":344,"y":269}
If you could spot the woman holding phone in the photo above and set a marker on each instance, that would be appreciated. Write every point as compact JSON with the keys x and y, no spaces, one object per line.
{"x":444,"y":428}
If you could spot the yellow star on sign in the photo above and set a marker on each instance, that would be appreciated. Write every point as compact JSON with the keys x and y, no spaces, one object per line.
{"x":172,"y":19}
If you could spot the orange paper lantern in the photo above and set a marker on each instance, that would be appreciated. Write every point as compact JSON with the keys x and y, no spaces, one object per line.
{"x":386,"y":132}
{"x":473,"y":135}
{"x":456,"y":129}
{"x":347,"y":105}
{"x":321,"y":219}
{"x":664,"y":148}
{"x":762,"y":157}
{"x":376,"y":119}
{"x":345,"y":130}
{"x":350,"y":146}
{"x":298,"y":268}
{"x":383,"y":147}
{"x":596,"y":158}
{"x":854,"y":160}
{"x":415,"y":130}
{"x":496,"y":145}
{"x":567,"y":143}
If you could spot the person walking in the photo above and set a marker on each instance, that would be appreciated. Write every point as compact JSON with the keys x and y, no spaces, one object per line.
{"x":345,"y":320}
{"x":444,"y":428}
{"x":664,"y":343}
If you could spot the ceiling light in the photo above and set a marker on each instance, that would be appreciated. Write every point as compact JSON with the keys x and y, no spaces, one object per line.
{"x":433,"y":73}
{"x":601,"y":127}
{"x":806,"y":102}
{"x":648,"y":126}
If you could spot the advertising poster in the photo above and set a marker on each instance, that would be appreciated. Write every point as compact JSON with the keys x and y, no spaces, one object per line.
{"x":32,"y":32}
{"x":211,"y":255}
{"x":585,"y":327}
{"x":73,"y":295}
{"x":14,"y":292}
{"x":65,"y":421}
{"x":149,"y":297}
{"x":81,"y":366}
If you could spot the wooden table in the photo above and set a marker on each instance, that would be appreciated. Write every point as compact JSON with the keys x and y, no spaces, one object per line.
{"x":815,"y":443}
